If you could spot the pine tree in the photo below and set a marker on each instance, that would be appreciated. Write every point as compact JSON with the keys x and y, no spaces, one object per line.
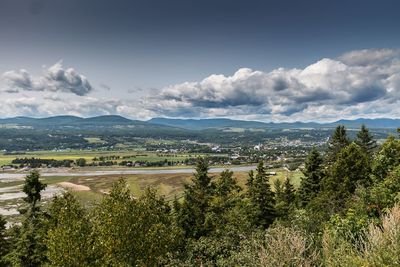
{"x":197,"y":196}
{"x":262,"y":199}
{"x":249,"y":183}
{"x":337,"y":142}
{"x":279,"y":188}
{"x":289,"y":193}
{"x":285,"y":197}
{"x":311,"y":182}
{"x":29,"y":248}
{"x":4,"y":242}
{"x":351,"y":168}
{"x":32,"y":188}
{"x":365,"y":140}
{"x":226,"y":185}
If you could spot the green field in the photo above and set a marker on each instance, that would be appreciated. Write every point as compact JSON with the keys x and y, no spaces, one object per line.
{"x":89,"y":155}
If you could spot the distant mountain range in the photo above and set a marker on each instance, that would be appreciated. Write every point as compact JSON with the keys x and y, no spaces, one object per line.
{"x":188,"y":124}
{"x":201,"y":124}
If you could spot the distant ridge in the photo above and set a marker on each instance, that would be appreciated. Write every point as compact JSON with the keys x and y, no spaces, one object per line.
{"x":106,"y":120}
{"x":201,"y":124}
{"x":189,"y":124}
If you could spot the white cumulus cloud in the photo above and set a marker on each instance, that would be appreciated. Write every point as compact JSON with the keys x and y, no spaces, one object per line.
{"x":55,"y":79}
{"x":359,"y":80}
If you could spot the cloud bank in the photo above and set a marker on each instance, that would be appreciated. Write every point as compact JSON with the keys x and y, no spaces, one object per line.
{"x":358,"y":80}
{"x":55,"y":79}
{"x":362,"y":83}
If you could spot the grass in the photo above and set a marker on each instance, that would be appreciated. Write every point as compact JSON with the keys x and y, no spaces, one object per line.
{"x":95,"y":140}
{"x":133,"y":155}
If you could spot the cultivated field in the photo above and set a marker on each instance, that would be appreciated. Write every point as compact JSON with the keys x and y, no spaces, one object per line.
{"x":89,"y":155}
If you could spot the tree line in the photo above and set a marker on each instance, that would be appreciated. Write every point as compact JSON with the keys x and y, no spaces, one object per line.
{"x":344,"y":213}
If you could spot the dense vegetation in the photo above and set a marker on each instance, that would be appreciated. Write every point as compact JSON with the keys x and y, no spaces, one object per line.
{"x":346,"y":212}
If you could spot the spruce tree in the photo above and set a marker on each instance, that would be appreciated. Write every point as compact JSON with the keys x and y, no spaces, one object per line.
{"x":289,"y":193}
{"x":310,"y":184}
{"x":4,"y":242}
{"x":197,"y":196}
{"x":365,"y":140}
{"x":29,"y":248}
{"x":278,"y":188}
{"x":351,"y":168}
{"x":337,"y":142}
{"x":262,"y":199}
{"x":285,"y":197}
{"x":32,"y":188}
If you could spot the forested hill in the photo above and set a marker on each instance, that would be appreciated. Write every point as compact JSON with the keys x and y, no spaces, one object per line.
{"x":188,"y":124}
{"x":109,"y":120}
{"x":201,"y":124}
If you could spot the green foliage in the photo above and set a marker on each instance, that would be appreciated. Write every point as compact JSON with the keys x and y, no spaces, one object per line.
{"x":261,"y":199}
{"x":69,"y":238}
{"x":348,"y":215}
{"x":4,"y":242}
{"x":81,"y":162}
{"x":382,"y":195}
{"x":351,"y":225}
{"x":32,"y":188}
{"x":133,"y":232}
{"x":313,"y":173}
{"x":366,"y":141}
{"x":196,"y":203}
{"x":285,"y":198}
{"x":336,"y":143}
{"x":349,"y":170}
{"x":29,"y":248}
{"x":387,"y":158}
{"x":380,"y":245}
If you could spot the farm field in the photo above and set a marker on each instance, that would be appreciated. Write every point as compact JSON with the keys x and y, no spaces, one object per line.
{"x":89,"y":155}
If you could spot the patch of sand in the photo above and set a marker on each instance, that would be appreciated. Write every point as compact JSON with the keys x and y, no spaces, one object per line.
{"x":74,"y":187}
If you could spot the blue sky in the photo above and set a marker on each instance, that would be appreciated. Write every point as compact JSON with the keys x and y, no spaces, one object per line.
{"x":264,"y":60}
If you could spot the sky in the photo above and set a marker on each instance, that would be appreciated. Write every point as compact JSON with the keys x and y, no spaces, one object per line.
{"x":311,"y":60}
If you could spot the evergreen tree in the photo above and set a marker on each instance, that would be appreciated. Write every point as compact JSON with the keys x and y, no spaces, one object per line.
{"x":278,"y":188}
{"x":289,"y":193}
{"x":350,"y":169}
{"x":4,"y":242}
{"x":310,"y":184}
{"x":365,"y":140}
{"x":262,"y":199}
{"x":285,"y":197}
{"x":337,"y":142}
{"x":249,"y":183}
{"x":29,"y":248}
{"x":196,"y":203}
{"x":32,"y":188}
{"x":226,"y":185}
